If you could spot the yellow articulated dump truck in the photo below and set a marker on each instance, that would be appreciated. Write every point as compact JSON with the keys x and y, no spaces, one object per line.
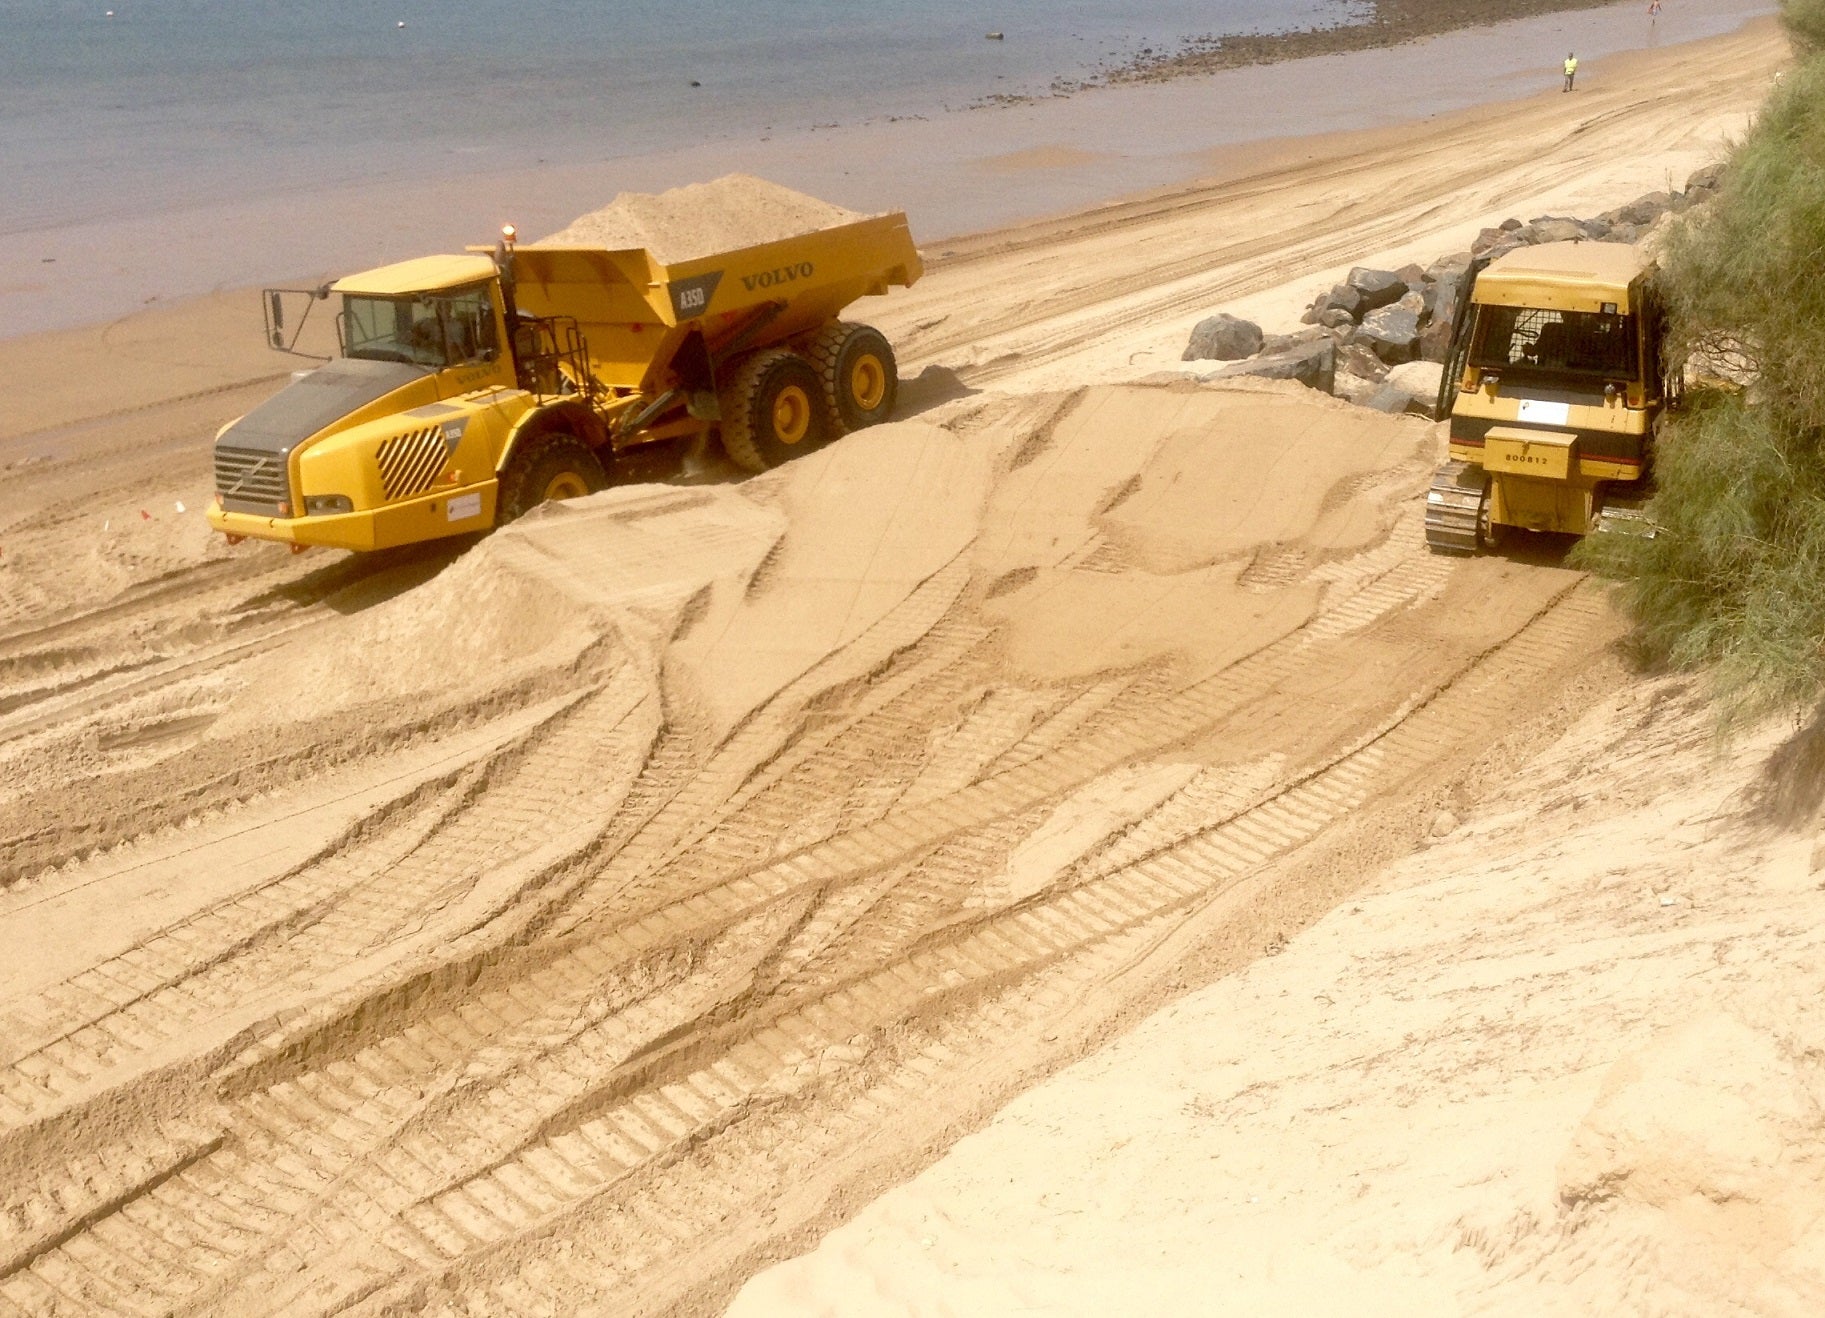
{"x":1554,"y":386}
{"x":470,"y":388}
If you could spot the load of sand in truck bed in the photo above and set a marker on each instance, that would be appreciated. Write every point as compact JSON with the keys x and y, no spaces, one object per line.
{"x":701,"y":219}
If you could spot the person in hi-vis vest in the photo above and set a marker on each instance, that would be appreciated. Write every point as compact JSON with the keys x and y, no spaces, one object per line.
{"x":1571,"y":70}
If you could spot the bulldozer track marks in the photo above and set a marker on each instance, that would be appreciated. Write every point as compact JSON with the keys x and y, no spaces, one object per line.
{"x":351,"y":899}
{"x":59,"y":668}
{"x":697,"y":965}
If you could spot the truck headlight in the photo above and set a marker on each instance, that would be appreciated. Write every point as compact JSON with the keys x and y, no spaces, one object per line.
{"x":316,"y":505}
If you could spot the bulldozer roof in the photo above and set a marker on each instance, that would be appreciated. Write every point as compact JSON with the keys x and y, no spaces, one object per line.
{"x":1572,"y":276}
{"x":425,"y":274}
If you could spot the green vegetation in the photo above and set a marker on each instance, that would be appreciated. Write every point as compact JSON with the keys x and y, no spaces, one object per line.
{"x":1735,"y":579}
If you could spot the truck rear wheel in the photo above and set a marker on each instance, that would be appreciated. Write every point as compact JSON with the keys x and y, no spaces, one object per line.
{"x":554,"y":465}
{"x":860,"y":377}
{"x":772,"y":410}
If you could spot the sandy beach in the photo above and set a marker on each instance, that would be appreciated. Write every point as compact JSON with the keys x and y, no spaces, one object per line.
{"x":1069,"y":847}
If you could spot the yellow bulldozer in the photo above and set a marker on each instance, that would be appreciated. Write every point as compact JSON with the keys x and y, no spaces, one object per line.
{"x":470,"y":388}
{"x":1555,"y":383}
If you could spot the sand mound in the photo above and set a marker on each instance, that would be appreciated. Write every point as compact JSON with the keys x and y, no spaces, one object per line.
{"x":1114,"y":554}
{"x":619,"y":567}
{"x":685,"y":224}
{"x":732,"y":592}
{"x":870,"y":519}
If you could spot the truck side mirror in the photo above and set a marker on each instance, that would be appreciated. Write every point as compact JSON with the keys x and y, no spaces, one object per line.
{"x":280,"y":334}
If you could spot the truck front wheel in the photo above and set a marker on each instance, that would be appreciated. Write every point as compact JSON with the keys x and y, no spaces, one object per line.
{"x":772,"y":410}
{"x":549,"y":466}
{"x":858,"y":372}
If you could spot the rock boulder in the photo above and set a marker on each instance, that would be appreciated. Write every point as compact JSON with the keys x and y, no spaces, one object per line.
{"x":1277,"y":343}
{"x":1421,"y":380}
{"x":1643,"y":210}
{"x":1392,"y":334}
{"x":1223,"y":338}
{"x":1341,"y":298}
{"x":1377,"y":288}
{"x":1452,"y":266}
{"x":1359,"y":359}
{"x":1354,"y":389}
{"x":1553,"y":229}
{"x":1708,"y":179}
{"x":1312,"y":364}
{"x":1435,"y":338}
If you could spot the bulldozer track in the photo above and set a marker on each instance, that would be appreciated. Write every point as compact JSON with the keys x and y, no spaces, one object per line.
{"x":66,"y":667}
{"x":1454,"y":508}
{"x":194,"y":977}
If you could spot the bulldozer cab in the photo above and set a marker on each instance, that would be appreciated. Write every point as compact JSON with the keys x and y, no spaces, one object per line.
{"x":1578,"y":318}
{"x":1553,"y":346}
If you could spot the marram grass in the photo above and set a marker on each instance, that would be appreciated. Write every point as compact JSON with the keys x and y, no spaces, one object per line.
{"x":1735,"y":580}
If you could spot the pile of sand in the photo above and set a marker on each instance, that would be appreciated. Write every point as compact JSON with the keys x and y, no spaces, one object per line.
{"x":1110,"y":554}
{"x":688,"y":223}
{"x":612,"y":572}
{"x":870,"y":519}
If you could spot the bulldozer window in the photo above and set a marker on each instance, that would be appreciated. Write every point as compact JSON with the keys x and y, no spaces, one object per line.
{"x":428,"y":330}
{"x":1526,"y":340}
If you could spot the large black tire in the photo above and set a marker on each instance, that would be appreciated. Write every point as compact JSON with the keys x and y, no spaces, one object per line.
{"x":772,"y":410}
{"x":554,"y":465}
{"x":855,"y":364}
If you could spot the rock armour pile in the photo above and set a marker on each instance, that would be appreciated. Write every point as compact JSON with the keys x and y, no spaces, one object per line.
{"x":1377,"y":338}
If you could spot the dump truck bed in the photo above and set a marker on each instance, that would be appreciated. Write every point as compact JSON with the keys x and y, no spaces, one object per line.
{"x":636,"y":311}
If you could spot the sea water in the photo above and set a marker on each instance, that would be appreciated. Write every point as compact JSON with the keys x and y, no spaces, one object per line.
{"x":158,"y":104}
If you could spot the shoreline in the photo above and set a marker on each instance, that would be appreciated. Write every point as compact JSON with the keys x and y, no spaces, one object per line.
{"x":1020,"y":163}
{"x":1395,"y":22}
{"x":190,"y":347}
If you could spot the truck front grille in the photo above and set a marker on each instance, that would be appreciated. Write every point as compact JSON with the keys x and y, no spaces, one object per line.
{"x":252,"y":480}
{"x":409,"y":463}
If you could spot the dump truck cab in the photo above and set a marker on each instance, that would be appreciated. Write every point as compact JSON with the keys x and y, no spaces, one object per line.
{"x":1554,"y":386}
{"x":443,"y":313}
{"x":469,"y":389}
{"x":390,"y":438}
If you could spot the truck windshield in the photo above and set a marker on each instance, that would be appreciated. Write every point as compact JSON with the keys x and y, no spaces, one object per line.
{"x":435,"y":330}
{"x":1572,"y":343}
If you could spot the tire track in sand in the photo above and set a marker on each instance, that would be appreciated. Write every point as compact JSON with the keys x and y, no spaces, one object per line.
{"x":549,"y":1143}
{"x":984,"y":957}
